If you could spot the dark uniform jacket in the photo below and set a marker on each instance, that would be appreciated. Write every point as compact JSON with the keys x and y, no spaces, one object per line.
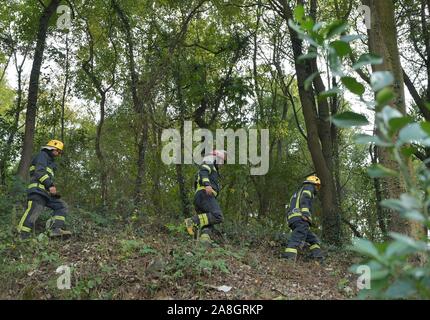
{"x":42,"y":171}
{"x":301,"y":202}
{"x":207,"y":176}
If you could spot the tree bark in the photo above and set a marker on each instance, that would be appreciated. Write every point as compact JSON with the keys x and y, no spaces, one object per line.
{"x":66,"y":82}
{"x":14,"y":129}
{"x":318,"y":135}
{"x":33,"y":89}
{"x":138,"y":105}
{"x":383,"y":42}
{"x":87,"y":66}
{"x":378,"y":194}
{"x":99,"y":153}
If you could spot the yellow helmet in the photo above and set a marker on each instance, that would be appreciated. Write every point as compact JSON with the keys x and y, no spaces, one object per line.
{"x":56,"y":144}
{"x":313,"y":179}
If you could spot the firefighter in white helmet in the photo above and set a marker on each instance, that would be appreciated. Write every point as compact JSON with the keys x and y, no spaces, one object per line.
{"x":207,"y":188}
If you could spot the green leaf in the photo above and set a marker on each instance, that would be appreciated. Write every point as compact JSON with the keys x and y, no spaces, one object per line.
{"x":414,"y":215}
{"x":310,"y":55}
{"x":342,"y":48}
{"x":366,"y":59}
{"x":299,"y":13}
{"x":329,"y":93}
{"x":295,"y":27}
{"x":425,"y":125}
{"x":401,"y":289}
{"x":396,"y":249}
{"x":393,"y":204}
{"x":384,"y":96}
{"x":349,"y":119}
{"x":91,"y":284}
{"x":308,"y":24}
{"x":352,"y":37}
{"x":308,"y":81}
{"x":408,"y":151}
{"x":334,"y":62}
{"x":336,"y":28}
{"x":379,"y":274}
{"x":404,"y":204}
{"x":353,"y":85}
{"x":378,"y":171}
{"x":365,"y":247}
{"x":317,"y":26}
{"x":381,"y":79}
{"x":413,"y":133}
{"x":398,"y":123}
{"x":419,"y":245}
{"x":365,"y":139}
{"x":389,"y":113}
{"x":409,"y":201}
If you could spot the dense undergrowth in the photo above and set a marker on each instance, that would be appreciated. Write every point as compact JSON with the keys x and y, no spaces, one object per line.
{"x":112,"y":258}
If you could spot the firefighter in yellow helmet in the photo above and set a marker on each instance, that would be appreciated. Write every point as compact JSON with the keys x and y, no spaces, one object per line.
{"x":42,"y":192}
{"x":299,"y":217}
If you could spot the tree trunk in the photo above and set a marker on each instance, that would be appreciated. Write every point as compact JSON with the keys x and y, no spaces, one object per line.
{"x":318,"y":137}
{"x":186,"y":205}
{"x":33,"y":89}
{"x":142,"y":122}
{"x":383,"y":42}
{"x":99,"y":153}
{"x":6,"y":153}
{"x":141,"y":152}
{"x":66,"y":82}
{"x":378,"y":194}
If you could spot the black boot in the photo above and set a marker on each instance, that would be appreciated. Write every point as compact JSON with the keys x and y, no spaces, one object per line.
{"x":289,"y":254}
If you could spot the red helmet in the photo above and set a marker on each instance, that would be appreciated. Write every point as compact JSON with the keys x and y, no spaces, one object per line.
{"x":216,"y":156}
{"x":220,"y":154}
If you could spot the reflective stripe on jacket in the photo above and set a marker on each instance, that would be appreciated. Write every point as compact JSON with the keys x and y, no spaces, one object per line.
{"x":42,"y":171}
{"x":207,"y":176}
{"x":301,"y":202}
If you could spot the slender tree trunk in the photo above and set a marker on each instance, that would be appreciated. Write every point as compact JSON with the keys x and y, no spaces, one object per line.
{"x":33,"y":89}
{"x":14,"y":129}
{"x":183,"y":190}
{"x":186,"y":205}
{"x":138,"y":105}
{"x":318,"y":136}
{"x":3,"y":73}
{"x":87,"y":66}
{"x":378,"y":194}
{"x":141,"y":152}
{"x":383,"y":42}
{"x":426,"y":35}
{"x":99,"y":153}
{"x":66,"y":82}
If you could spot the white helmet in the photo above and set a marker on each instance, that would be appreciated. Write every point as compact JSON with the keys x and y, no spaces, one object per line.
{"x":216,"y":156}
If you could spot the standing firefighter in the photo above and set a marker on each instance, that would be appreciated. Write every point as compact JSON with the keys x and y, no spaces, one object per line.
{"x":207,"y":188}
{"x":299,"y":220}
{"x":42,"y":192}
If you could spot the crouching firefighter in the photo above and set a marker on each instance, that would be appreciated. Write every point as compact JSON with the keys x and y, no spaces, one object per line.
{"x":207,"y":188}
{"x":299,"y":217}
{"x":42,"y":193}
